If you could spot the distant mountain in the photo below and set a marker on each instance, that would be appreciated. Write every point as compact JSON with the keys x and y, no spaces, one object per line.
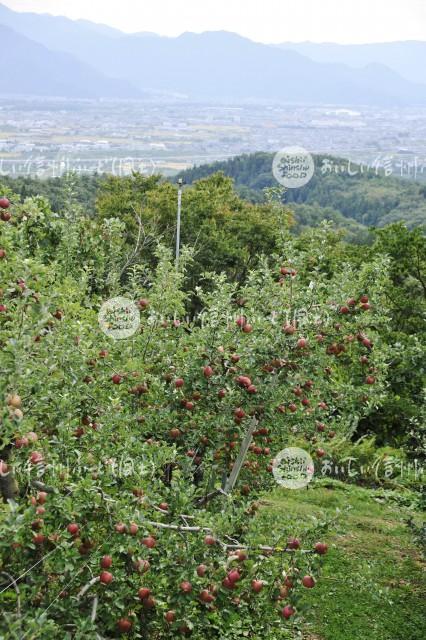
{"x":93,"y":27}
{"x":28,"y":68}
{"x":56,"y":32}
{"x":215,"y":66}
{"x":406,"y":58}
{"x":225,"y":66}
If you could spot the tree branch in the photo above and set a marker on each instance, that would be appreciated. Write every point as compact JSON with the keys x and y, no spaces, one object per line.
{"x":87,"y":586}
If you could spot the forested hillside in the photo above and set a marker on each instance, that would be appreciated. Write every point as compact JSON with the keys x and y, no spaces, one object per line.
{"x":368,"y":198}
{"x":353,"y":203}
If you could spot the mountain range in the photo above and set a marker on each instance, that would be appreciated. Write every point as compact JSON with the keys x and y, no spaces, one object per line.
{"x":406,"y":58}
{"x":50,"y":55}
{"x":29,"y":68}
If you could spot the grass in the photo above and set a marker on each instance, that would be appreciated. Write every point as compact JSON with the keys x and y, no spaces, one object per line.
{"x":372,"y":584}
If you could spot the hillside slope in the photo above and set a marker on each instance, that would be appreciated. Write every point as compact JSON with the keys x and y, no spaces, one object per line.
{"x":365,"y":199}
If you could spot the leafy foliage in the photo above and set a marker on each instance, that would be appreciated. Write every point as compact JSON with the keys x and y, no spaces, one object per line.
{"x":122,"y":448}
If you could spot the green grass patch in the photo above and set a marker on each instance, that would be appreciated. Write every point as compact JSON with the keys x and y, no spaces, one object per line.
{"x":372,"y":584}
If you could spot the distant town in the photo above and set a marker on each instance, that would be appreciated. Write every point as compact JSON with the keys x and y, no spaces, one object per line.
{"x":48,"y":137}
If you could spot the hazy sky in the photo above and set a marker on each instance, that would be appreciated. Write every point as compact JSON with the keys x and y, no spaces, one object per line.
{"x":262,"y":20}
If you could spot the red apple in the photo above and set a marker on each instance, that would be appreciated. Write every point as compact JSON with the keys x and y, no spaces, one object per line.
{"x":201,"y":570}
{"x":73,"y":529}
{"x":293,"y":543}
{"x":21,"y":442}
{"x":321,"y":548}
{"x":116,"y":378}
{"x":149,"y":542}
{"x":106,"y":562}
{"x":234,"y":575}
{"x":228,"y":584}
{"x":41,"y":497}
{"x":287,"y":612}
{"x":206,"y":596}
{"x":36,"y":457}
{"x":186,"y":586}
{"x":209,"y":540}
{"x":308,"y":582}
{"x":207,"y":372}
{"x":170,"y":616}
{"x":289,"y":329}
{"x":124,"y":625}
{"x":39,"y":538}
{"x":179,"y":382}
{"x":243,"y":381}
{"x":141,"y":566}
{"x":106,"y":577}
{"x":144,"y":593}
{"x":257,"y":585}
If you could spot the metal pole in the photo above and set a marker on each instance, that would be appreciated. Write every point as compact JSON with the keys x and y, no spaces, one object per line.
{"x":179,"y":210}
{"x":233,"y":477}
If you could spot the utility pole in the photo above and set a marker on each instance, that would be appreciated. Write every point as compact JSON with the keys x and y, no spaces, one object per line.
{"x":179,"y":210}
